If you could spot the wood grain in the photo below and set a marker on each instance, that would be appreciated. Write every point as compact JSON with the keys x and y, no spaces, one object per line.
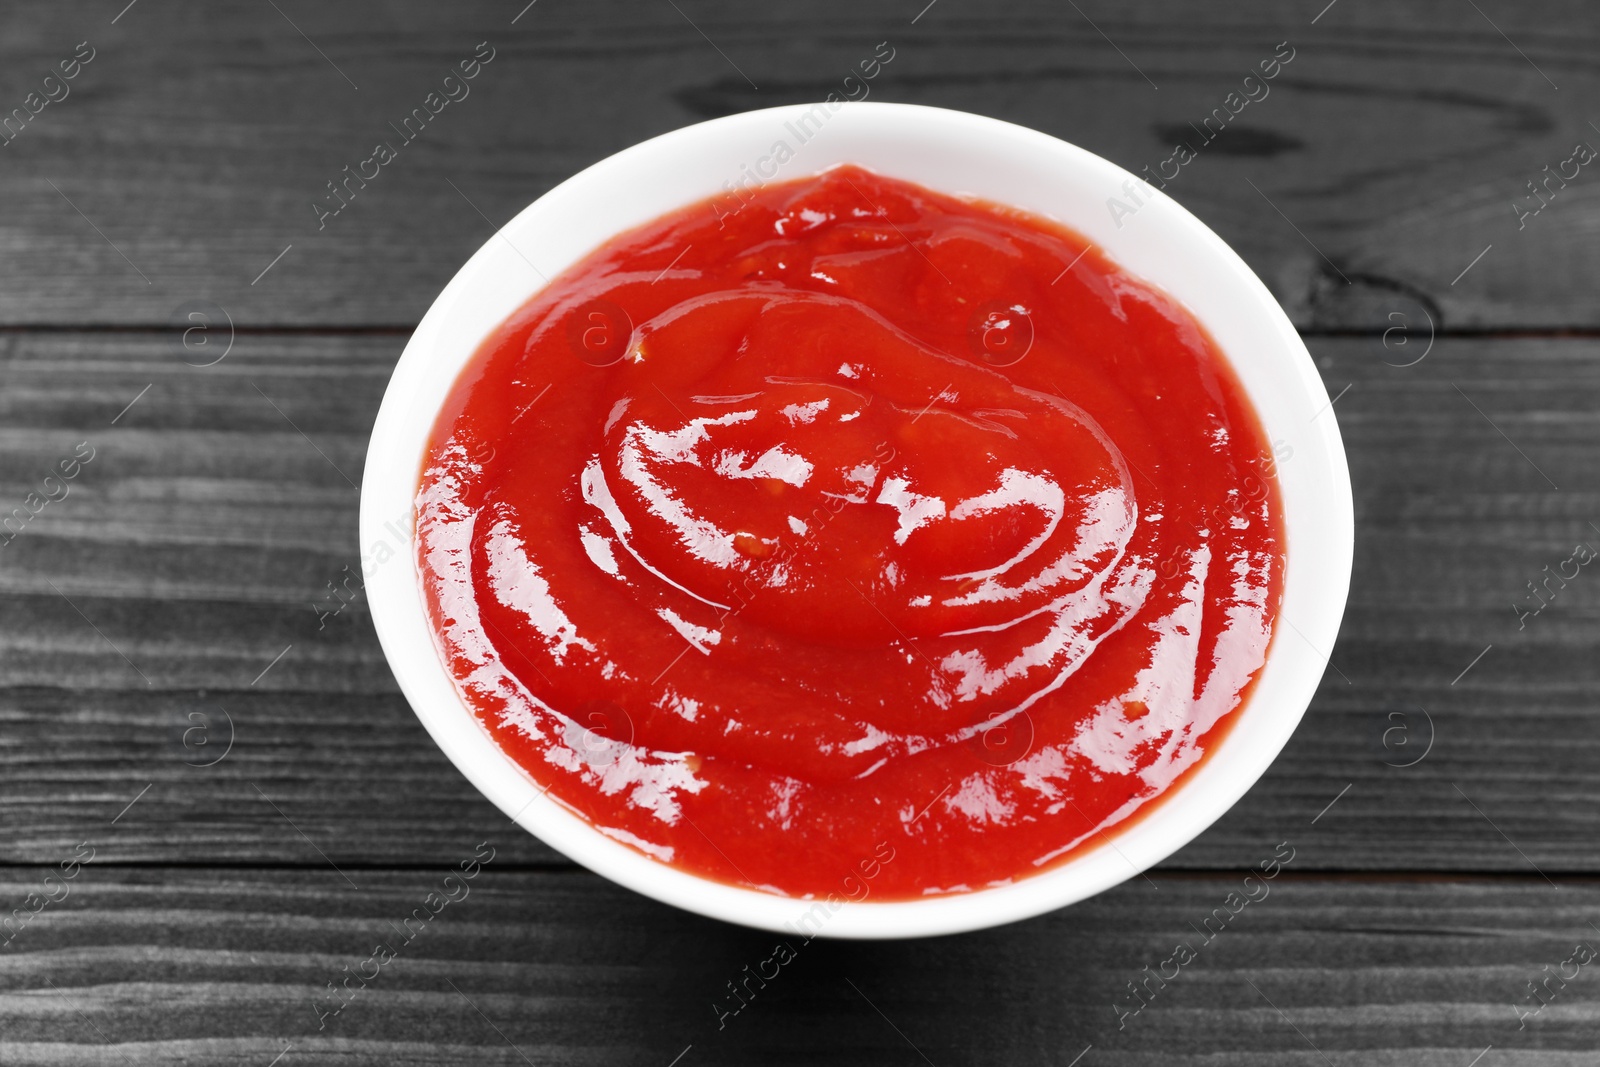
{"x":1385,"y":158}
{"x":225,"y":967}
{"x":198,"y":544}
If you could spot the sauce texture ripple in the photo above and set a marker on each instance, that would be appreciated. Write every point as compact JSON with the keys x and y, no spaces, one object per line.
{"x":861,"y":521}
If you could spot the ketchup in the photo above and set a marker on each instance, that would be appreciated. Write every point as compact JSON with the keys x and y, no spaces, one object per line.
{"x":860,"y":521}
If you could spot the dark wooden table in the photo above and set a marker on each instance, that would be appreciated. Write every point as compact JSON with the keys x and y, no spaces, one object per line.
{"x":195,"y":899}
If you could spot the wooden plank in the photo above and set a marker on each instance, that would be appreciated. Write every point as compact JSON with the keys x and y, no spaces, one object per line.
{"x":199,"y":541}
{"x":228,"y":967}
{"x":1383,"y":160}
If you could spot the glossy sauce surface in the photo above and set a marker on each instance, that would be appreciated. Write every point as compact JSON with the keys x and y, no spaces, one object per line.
{"x":857,"y":521}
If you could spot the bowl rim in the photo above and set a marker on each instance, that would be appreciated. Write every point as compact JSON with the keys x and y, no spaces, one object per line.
{"x":1318,"y":519}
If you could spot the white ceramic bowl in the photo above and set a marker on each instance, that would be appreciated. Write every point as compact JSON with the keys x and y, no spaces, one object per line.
{"x":952,"y":152}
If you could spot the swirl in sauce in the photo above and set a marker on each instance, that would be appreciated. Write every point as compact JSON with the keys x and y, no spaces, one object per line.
{"x":861,"y":515}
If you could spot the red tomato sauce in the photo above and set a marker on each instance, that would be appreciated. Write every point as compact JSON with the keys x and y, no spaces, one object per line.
{"x":859,"y":518}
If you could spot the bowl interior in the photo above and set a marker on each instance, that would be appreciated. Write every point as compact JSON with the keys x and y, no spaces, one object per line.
{"x":953,"y":152}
